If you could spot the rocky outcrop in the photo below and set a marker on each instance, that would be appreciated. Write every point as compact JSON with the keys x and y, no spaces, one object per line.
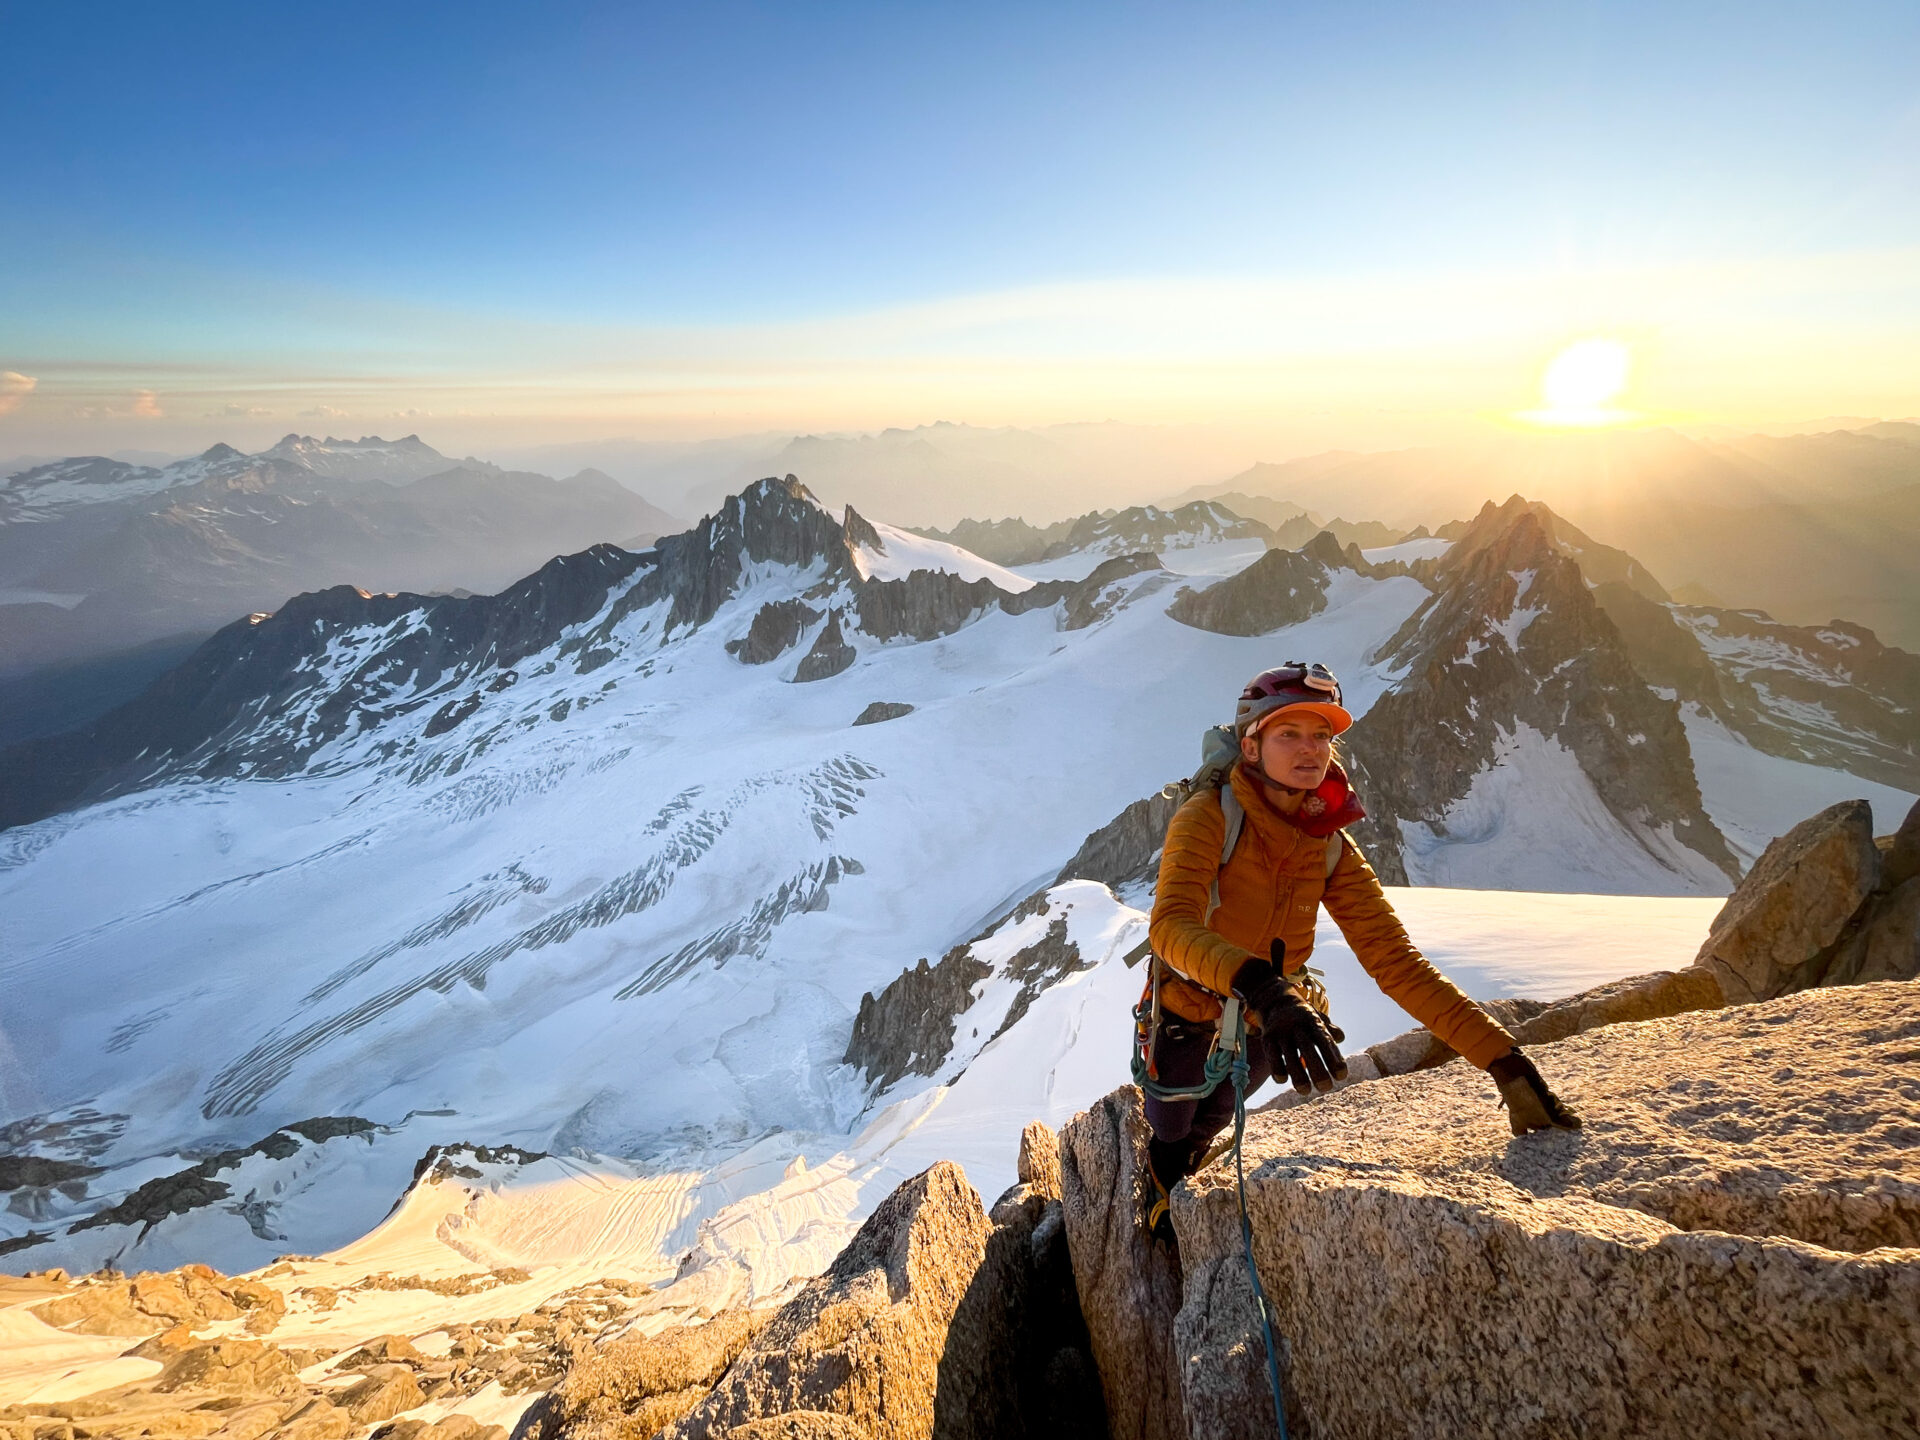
{"x":1128,"y":1287}
{"x":198,"y":1185}
{"x":936,"y":1320}
{"x":38,"y":1172}
{"x":907,"y":1028}
{"x":238,"y":1387}
{"x":1793,"y":904}
{"x":860,"y":531}
{"x":639,"y":1384}
{"x":886,"y":1338}
{"x":829,"y":656}
{"x":1282,"y":587}
{"x":911,"y":1026}
{"x":193,"y":1296}
{"x":1712,"y":1245}
{"x":924,"y":606}
{"x":1106,"y":589}
{"x":1126,"y":850}
{"x":1511,"y":661}
{"x":880,"y":711}
{"x":776,"y":629}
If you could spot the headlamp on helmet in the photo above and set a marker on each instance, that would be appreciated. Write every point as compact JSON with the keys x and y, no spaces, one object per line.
{"x":1296,"y":685}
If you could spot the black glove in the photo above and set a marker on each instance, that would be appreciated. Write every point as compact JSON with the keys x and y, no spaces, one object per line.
{"x":1530,"y":1104}
{"x":1298,"y":1040}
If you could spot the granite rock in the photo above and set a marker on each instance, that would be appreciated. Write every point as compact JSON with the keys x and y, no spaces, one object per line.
{"x":1728,"y":1246}
{"x":1129,"y":1287}
{"x":1793,"y":904}
{"x":873,"y":1338}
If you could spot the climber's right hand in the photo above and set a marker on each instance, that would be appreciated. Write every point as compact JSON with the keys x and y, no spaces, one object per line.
{"x":1294,"y":1034}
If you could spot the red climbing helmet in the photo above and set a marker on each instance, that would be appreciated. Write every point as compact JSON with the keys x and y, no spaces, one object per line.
{"x":1296,"y":685}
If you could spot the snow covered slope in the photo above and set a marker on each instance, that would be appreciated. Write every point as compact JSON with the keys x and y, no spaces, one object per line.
{"x":588,"y":868}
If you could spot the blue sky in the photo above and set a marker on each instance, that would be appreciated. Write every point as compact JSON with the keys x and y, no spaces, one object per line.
{"x":606,"y":216}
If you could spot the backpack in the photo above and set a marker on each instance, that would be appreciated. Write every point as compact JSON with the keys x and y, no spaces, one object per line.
{"x":1218,"y":752}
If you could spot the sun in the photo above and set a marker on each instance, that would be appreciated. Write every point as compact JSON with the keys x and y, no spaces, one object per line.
{"x":1582,"y":382}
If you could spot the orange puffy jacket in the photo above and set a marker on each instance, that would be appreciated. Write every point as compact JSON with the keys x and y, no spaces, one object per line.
{"x":1271,"y":889}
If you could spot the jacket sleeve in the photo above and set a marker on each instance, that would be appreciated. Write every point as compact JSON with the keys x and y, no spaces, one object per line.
{"x":1189,"y":864}
{"x":1359,"y":907}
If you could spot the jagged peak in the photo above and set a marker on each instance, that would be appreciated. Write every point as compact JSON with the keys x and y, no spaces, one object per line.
{"x":219,"y":451}
{"x":860,"y":531}
{"x":1326,"y":549}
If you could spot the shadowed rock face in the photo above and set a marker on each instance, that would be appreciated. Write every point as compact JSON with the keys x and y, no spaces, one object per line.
{"x":776,"y":628}
{"x":909,"y":1027}
{"x":880,"y":711}
{"x":1282,"y":587}
{"x":1126,"y":850}
{"x":1514,"y":638}
{"x":1709,"y":1245}
{"x":924,"y":606}
{"x":830,"y":653}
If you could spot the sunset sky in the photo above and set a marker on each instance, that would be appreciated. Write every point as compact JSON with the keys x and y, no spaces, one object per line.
{"x":1313,"y":225}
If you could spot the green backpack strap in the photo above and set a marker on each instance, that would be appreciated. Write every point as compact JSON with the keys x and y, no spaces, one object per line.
{"x":1235,"y":815}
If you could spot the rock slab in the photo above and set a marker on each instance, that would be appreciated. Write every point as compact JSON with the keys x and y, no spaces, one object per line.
{"x":1727,"y":1247}
{"x":1129,"y":1287}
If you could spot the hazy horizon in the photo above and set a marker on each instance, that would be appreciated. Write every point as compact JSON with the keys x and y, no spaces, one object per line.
{"x":1285,"y":231}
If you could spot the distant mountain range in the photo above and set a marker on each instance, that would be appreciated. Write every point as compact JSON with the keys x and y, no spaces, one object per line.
{"x":1808,"y":527}
{"x":1150,"y":527}
{"x":103,"y":562}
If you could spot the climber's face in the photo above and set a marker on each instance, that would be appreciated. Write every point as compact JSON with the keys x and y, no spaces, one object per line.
{"x":1293,"y":748}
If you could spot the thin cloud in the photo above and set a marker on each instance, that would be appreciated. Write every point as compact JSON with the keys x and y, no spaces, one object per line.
{"x":238,"y":412}
{"x":14,"y":388}
{"x":323,"y":412}
{"x":146,"y":405}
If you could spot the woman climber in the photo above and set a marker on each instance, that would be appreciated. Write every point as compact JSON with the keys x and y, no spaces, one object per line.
{"x":1239,"y":922}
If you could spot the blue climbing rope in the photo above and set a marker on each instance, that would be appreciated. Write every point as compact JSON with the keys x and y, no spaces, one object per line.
{"x":1246,"y":1242}
{"x":1226,"y":1060}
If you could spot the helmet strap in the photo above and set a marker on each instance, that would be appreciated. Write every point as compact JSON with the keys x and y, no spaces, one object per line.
{"x":1259,"y":772}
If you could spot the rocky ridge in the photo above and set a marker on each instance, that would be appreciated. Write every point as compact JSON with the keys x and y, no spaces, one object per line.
{"x":1111,"y":532}
{"x":1511,"y":651}
{"x":267,"y":695}
{"x":1829,"y":695}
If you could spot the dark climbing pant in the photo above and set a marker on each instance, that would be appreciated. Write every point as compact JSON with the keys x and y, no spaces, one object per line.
{"x":1183,"y":1129}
